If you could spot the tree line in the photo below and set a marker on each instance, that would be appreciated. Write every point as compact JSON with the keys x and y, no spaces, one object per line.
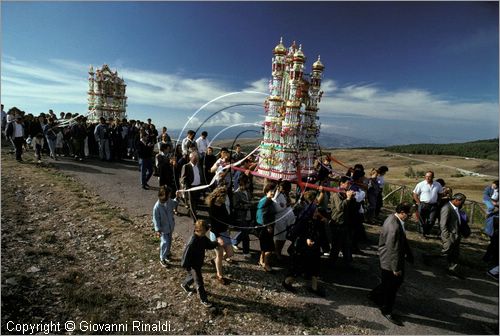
{"x":481,"y":149}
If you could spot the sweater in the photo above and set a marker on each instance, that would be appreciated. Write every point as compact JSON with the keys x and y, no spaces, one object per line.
{"x":163,"y":216}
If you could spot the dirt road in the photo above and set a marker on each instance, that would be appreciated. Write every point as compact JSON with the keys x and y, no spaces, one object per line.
{"x":430,"y":302}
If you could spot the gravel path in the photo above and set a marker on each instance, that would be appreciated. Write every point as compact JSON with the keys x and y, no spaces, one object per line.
{"x":430,"y":302}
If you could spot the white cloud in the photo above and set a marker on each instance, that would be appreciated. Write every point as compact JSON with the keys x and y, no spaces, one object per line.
{"x":329,"y":86}
{"x":261,"y":85}
{"x":409,"y":104}
{"x":226,"y":118}
{"x":174,"y":98}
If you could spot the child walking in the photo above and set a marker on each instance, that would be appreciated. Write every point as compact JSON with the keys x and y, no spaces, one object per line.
{"x":164,"y":222}
{"x":192,"y":260}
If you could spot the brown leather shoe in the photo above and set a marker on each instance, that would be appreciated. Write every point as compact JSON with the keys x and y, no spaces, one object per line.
{"x":221,"y":280}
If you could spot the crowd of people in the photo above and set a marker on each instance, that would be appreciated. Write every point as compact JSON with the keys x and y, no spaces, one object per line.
{"x":317,"y":222}
{"x":72,"y":135}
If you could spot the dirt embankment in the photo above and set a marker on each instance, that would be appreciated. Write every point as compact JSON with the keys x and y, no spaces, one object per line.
{"x":77,"y":245}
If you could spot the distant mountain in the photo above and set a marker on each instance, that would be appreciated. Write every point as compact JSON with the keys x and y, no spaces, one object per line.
{"x":332,"y":140}
{"x":217,"y":133}
{"x":326,"y":140}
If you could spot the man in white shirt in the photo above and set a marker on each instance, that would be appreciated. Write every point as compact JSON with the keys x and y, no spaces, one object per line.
{"x":202,"y":144}
{"x":188,"y":142}
{"x":190,"y":178}
{"x":427,"y":194}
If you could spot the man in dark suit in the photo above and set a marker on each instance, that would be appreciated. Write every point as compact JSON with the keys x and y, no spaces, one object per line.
{"x":190,"y":178}
{"x":450,"y":221}
{"x":393,"y":248}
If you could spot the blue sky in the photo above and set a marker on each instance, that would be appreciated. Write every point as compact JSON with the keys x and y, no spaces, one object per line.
{"x":396,"y":72}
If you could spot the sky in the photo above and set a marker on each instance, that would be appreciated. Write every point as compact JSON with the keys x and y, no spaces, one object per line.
{"x":395,"y":72}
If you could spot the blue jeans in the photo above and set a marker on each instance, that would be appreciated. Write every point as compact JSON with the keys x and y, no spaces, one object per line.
{"x":146,"y":166}
{"x":104,"y":151}
{"x":165,"y":243}
{"x":52,"y":146}
{"x":489,"y":205}
{"x":242,"y":236}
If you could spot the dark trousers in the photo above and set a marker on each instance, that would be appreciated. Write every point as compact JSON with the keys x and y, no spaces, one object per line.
{"x":491,"y":255}
{"x":192,"y":200}
{"x":38,"y":152}
{"x":146,"y":166}
{"x":266,"y":238}
{"x":427,"y":216}
{"x":451,"y":250}
{"x":194,"y":275}
{"x":358,"y":233}
{"x":78,"y":146}
{"x":341,"y":241}
{"x":385,"y":293}
{"x":380,"y":203}
{"x":18,"y":144}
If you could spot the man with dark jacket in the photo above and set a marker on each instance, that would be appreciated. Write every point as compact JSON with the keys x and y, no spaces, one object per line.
{"x":393,"y":248}
{"x":15,"y":131}
{"x":340,"y":227}
{"x":191,"y":177}
{"x":145,"y":155}
{"x":450,"y":221}
{"x":101,"y":135}
{"x":78,"y":135}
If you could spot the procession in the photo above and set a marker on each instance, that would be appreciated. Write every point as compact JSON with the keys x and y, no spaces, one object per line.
{"x":250,"y":168}
{"x":318,"y":210}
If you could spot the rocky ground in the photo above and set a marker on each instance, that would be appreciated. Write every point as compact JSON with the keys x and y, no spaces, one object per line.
{"x":77,"y":245}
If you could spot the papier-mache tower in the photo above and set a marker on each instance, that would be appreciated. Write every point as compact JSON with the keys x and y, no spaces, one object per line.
{"x":106,"y":95}
{"x":290,"y":127}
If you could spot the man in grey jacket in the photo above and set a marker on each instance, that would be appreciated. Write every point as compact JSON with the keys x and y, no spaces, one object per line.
{"x":393,"y":248}
{"x":450,"y":221}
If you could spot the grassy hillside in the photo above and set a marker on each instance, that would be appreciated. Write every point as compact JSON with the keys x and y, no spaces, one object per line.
{"x":481,"y":149}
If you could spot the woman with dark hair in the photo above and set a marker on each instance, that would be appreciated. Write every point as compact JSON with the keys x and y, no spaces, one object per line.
{"x":265,"y":218}
{"x":219,"y":214}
